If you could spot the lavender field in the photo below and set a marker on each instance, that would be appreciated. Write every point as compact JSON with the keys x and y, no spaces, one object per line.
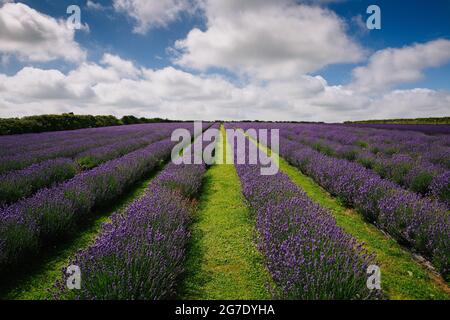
{"x":110,"y":202}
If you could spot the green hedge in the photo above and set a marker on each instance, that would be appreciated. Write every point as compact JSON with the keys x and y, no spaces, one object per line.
{"x":66,"y":121}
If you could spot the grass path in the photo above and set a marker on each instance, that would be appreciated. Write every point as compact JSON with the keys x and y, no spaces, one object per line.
{"x":401,"y":275}
{"x":223,"y":262}
{"x":36,"y":280}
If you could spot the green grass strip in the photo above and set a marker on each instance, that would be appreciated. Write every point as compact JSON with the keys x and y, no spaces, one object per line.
{"x":37,"y":280}
{"x":402,"y":277}
{"x":222,"y":260}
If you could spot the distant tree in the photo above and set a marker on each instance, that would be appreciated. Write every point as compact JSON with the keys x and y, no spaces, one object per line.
{"x":67,"y":121}
{"x":130,"y":120}
{"x":44,"y":123}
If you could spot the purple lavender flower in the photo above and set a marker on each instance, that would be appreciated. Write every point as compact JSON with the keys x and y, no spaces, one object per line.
{"x":307,"y":254}
{"x":140,"y":253}
{"x":53,"y":211}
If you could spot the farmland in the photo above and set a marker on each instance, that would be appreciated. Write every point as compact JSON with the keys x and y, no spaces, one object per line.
{"x":137,"y":226}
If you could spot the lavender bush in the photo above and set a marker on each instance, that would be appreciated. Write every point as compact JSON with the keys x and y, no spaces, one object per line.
{"x":24,"y":143}
{"x":93,"y":157}
{"x":52,"y":212}
{"x":420,"y":223}
{"x":440,"y":188}
{"x":140,"y":254}
{"x":307,"y":254}
{"x":411,"y":166}
{"x":22,"y":183}
{"x":17,"y":184}
{"x":425,"y":128}
{"x":19,"y":152}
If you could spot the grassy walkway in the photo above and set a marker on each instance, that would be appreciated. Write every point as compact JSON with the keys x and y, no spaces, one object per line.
{"x":402,"y":277}
{"x":37,"y":279}
{"x":223,"y":262}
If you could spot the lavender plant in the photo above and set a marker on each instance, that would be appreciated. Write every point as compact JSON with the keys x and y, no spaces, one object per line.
{"x":422,"y":224}
{"x":53,"y":211}
{"x":307,"y":254}
{"x":19,"y":152}
{"x":140,"y":253}
{"x":22,"y":183}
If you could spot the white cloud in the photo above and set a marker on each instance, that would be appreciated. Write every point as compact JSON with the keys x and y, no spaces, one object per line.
{"x":267,"y":39}
{"x":359,"y":24}
{"x":92,"y":73}
{"x":117,"y":86}
{"x":92,"y":5}
{"x":124,"y":68}
{"x":279,"y":42}
{"x":413,"y":103}
{"x":34,"y":36}
{"x":389,"y":67}
{"x":33,"y":84}
{"x":153,"y":14}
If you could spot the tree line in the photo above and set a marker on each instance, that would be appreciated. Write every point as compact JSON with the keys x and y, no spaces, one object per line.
{"x":66,"y":121}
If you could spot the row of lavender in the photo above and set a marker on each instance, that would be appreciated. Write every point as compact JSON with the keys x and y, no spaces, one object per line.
{"x":420,"y":223}
{"x":18,"y":154}
{"x":140,"y":253}
{"x":307,"y":254}
{"x":23,"y":183}
{"x":19,"y":144}
{"x":50,"y":213}
{"x":421,"y":170}
{"x":434,"y":149}
{"x":424,"y":128}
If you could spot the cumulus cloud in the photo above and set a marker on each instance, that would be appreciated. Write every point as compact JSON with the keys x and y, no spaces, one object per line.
{"x":33,"y":36}
{"x":277,"y":42}
{"x":123,"y":67}
{"x":37,"y":84}
{"x":267,"y":39}
{"x":415,"y":103}
{"x":30,"y":84}
{"x":389,"y":67}
{"x":92,"y":5}
{"x":117,"y":86}
{"x":153,"y":14}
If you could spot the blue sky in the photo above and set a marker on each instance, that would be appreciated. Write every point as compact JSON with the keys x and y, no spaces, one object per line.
{"x":403,"y":23}
{"x":227,"y":80}
{"x":113,"y":32}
